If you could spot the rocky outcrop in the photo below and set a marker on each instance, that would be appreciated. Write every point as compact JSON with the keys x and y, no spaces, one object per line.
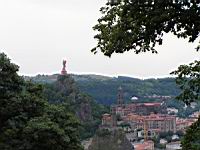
{"x":110,"y":140}
{"x":85,"y":112}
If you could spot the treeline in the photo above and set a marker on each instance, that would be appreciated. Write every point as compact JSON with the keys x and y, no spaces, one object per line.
{"x":35,"y":116}
{"x":65,"y":91}
{"x":104,"y":89}
{"x":27,"y":120}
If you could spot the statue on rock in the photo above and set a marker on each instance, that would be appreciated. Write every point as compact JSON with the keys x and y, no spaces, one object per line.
{"x":64,"y":72}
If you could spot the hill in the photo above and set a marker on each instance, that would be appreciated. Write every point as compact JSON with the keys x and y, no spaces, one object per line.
{"x":104,"y":89}
{"x":62,"y":89}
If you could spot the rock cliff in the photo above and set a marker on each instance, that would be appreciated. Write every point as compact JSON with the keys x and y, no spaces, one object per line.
{"x":110,"y":140}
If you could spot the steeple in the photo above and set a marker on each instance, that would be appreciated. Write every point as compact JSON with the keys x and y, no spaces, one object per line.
{"x":64,"y":72}
{"x":120,"y":100}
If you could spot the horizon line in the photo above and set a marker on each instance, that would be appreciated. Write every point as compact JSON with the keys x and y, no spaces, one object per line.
{"x":101,"y":74}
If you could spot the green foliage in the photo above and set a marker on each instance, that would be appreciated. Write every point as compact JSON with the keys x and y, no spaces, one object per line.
{"x":140,"y":24}
{"x":104,"y":89}
{"x":165,"y":134}
{"x":105,"y":92}
{"x":27,"y":120}
{"x":10,"y":82}
{"x":57,"y":129}
{"x":161,"y":146}
{"x":189,"y":82}
{"x":65,"y":91}
{"x":191,"y":139}
{"x":103,"y":132}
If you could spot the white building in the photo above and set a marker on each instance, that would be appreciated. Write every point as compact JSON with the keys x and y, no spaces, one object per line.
{"x":173,"y":146}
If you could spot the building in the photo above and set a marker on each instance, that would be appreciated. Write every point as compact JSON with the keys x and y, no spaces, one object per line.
{"x":155,"y":122}
{"x":120,"y":99}
{"x":138,"y":108}
{"x":148,"y":145}
{"x":143,"y":116}
{"x":123,"y":109}
{"x":173,"y":146}
{"x":163,"y":141}
{"x":183,"y":124}
{"x":161,"y":123}
{"x":106,"y":120}
{"x":143,"y":108}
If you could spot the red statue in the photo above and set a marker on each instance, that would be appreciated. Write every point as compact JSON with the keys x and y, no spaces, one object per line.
{"x":64,"y":72}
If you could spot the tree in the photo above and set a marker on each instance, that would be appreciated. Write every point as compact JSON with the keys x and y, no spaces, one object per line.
{"x":65,"y":91}
{"x":191,"y":139}
{"x":189,"y":81}
{"x":140,"y":24}
{"x":56,"y":130}
{"x":27,"y":120}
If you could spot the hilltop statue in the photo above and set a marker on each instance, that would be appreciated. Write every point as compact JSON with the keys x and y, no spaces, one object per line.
{"x":64,"y":72}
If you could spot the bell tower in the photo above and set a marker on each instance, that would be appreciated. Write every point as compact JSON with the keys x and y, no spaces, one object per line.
{"x":120,"y":96}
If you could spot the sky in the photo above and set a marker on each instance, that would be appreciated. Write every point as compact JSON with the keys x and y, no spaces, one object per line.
{"x":38,"y":34}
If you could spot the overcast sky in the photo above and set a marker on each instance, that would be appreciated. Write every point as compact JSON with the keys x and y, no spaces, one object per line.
{"x":39,"y":34}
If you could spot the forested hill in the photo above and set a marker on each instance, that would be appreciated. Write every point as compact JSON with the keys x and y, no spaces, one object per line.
{"x":104,"y":89}
{"x":64,"y":91}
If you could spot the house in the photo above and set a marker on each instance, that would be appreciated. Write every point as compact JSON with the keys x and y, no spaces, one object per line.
{"x":173,"y":146}
{"x":147,"y":145}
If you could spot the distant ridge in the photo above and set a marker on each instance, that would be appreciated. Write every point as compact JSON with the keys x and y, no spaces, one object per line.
{"x":104,"y":88}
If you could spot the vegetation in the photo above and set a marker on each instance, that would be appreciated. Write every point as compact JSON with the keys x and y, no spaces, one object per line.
{"x":139,"y":25}
{"x":189,"y":81}
{"x":105,"y":92}
{"x":103,"y":132}
{"x":191,"y":139}
{"x":65,"y":91}
{"x":27,"y":120}
{"x":104,"y":89}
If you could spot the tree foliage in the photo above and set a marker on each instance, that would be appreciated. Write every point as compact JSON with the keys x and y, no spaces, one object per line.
{"x":140,"y":24}
{"x":65,"y":91}
{"x":27,"y":120}
{"x":191,"y":139}
{"x":189,"y":82}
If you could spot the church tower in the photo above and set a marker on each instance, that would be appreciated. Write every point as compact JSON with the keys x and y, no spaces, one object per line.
{"x":120,"y":100}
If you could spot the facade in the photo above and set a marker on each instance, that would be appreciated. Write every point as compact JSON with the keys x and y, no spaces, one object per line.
{"x":161,"y":123}
{"x":183,"y":124}
{"x":138,"y":108}
{"x":154,"y":122}
{"x":140,"y":116}
{"x":173,"y":146}
{"x":107,"y":120}
{"x":148,"y":145}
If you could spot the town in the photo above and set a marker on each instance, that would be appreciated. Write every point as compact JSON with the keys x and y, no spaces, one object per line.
{"x":143,"y":122}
